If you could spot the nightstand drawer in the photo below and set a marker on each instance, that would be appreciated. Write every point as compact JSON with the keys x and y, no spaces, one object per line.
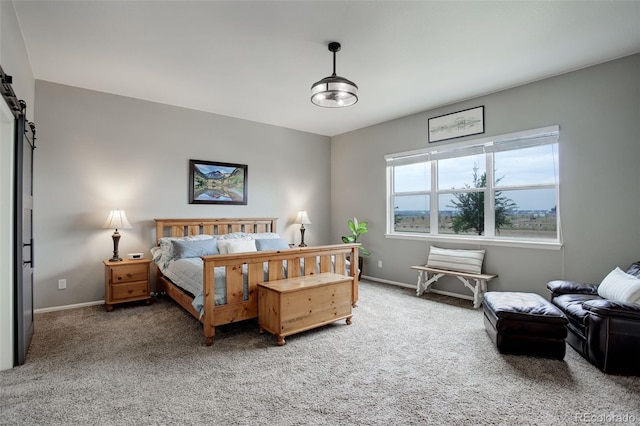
{"x":129,"y":290}
{"x":126,"y":281}
{"x":129,"y":273}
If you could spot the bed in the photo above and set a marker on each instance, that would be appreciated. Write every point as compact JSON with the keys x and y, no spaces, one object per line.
{"x":229,"y":281}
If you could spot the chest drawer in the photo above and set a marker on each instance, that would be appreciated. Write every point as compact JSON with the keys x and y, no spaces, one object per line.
{"x":129,"y":290}
{"x":129,"y":273}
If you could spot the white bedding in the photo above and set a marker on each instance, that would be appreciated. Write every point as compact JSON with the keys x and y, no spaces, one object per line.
{"x":187,"y":273}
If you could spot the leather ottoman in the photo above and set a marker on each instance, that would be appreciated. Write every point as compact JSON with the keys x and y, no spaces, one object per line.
{"x":525,"y":324}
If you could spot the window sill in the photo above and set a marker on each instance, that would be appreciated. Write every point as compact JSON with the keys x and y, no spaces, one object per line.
{"x":480,"y":241}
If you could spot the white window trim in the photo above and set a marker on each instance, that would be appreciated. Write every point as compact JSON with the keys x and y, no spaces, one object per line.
{"x":486,"y":240}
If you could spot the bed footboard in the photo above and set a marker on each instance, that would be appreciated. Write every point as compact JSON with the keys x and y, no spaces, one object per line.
{"x":299,"y":261}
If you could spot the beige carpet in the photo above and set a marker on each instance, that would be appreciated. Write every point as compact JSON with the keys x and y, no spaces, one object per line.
{"x":404,"y":360}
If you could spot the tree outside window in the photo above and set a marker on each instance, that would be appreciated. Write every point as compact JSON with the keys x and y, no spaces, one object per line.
{"x":470,"y":206}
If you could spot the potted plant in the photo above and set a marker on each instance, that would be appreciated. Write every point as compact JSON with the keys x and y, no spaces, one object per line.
{"x":357,"y":229}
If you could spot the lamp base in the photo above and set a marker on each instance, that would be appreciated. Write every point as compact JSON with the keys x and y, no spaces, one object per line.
{"x":302,"y":244}
{"x":116,"y":240}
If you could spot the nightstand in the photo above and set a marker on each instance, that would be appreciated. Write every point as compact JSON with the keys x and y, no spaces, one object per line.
{"x":126,"y":281}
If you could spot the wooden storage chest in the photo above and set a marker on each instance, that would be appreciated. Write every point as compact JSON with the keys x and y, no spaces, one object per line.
{"x":297,"y":304}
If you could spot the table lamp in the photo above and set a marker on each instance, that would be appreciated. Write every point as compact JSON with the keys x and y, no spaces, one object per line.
{"x":302,"y":219}
{"x":116,"y":220}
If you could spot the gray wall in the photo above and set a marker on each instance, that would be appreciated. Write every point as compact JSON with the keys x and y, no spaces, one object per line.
{"x":98,"y":151}
{"x":14,"y":58}
{"x":598,"y":110}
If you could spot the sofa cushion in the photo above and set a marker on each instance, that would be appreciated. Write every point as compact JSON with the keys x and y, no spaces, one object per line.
{"x":613,"y":309}
{"x":571,"y":306}
{"x":620,"y":287}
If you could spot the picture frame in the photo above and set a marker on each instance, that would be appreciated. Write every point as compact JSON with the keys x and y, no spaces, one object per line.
{"x":213,"y":182}
{"x":456,"y":125}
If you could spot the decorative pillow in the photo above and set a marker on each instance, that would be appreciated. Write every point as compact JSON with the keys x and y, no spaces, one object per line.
{"x":165,"y":253}
{"x":271,"y":244}
{"x":184,"y":249}
{"x":223,"y":245}
{"x":241,"y":246}
{"x":620,"y":287}
{"x":469,"y":261}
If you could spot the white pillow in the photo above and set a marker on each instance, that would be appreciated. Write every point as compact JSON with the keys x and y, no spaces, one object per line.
{"x":241,"y":246}
{"x":456,"y":260}
{"x":620,"y":287}
{"x":223,"y":245}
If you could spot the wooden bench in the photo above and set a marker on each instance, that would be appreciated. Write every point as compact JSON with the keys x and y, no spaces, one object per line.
{"x":477,"y":283}
{"x":297,"y":304}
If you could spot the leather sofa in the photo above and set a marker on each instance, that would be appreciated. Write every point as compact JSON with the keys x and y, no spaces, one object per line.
{"x":604,"y":332}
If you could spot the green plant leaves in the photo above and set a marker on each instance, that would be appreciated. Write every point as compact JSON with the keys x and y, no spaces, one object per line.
{"x":357,"y":229}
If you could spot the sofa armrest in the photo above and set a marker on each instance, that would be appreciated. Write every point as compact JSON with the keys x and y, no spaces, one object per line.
{"x":611,"y":309}
{"x":558,"y":287}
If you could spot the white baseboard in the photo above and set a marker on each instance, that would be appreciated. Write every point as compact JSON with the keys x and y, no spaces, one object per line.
{"x":64,"y":308}
{"x":413,"y":286}
{"x":379,"y":280}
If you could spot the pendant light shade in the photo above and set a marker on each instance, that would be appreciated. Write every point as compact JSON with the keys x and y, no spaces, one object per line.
{"x":334,"y":91}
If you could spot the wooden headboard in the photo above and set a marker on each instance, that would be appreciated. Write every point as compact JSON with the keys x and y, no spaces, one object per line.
{"x":212,"y":226}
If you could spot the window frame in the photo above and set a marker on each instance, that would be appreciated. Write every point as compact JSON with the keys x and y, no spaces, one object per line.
{"x":490,"y":145}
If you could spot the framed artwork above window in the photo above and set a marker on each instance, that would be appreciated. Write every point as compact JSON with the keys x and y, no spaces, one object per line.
{"x":456,"y":125}
{"x":213,"y":182}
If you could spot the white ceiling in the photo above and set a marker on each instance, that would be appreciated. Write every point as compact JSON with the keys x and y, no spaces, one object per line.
{"x":257,"y":60}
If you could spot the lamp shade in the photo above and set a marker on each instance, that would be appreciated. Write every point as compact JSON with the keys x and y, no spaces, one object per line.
{"x":117,"y":220}
{"x":303,"y":218}
{"x":334,"y":91}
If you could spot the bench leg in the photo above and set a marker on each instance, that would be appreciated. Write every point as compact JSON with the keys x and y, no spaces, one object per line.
{"x":477,"y":289}
{"x":425,"y":283}
{"x":420,"y":286}
{"x":478,"y":294}
{"x":477,"y":286}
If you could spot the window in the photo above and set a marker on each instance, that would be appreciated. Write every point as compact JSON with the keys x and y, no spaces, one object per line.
{"x":495,"y":189}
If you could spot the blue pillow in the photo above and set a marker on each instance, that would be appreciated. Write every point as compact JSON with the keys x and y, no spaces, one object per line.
{"x":271,"y":244}
{"x":185,"y":249}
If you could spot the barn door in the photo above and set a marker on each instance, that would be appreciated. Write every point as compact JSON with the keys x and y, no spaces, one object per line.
{"x":25,"y":144}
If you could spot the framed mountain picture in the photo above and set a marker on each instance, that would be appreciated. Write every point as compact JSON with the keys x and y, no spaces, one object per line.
{"x":212,"y":182}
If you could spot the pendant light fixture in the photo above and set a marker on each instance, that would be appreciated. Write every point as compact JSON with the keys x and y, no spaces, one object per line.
{"x":334,"y":91}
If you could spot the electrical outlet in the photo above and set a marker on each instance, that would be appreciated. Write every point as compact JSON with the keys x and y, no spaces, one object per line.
{"x":62,"y":284}
{"x":379,"y":263}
